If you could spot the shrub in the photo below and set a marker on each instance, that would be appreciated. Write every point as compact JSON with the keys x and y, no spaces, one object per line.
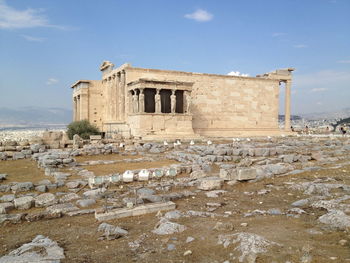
{"x":83,"y":128}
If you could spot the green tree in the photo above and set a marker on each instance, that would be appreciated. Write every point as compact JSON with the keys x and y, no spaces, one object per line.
{"x":83,"y":128}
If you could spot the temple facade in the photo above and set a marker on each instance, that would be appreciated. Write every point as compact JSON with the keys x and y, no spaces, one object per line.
{"x":161,"y":104}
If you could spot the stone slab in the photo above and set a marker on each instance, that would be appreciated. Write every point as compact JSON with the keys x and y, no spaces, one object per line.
{"x":139,"y":210}
{"x":246,"y":174}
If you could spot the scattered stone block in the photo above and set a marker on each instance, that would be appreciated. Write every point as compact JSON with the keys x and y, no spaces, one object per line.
{"x":61,"y":208}
{"x":86,"y":202}
{"x":210,"y":183}
{"x":24,"y":203}
{"x":6,"y":207}
{"x":139,"y":210}
{"x":44,"y":200}
{"x":49,"y":252}
{"x":7,"y":198}
{"x":246,"y":174}
{"x":165,"y":227}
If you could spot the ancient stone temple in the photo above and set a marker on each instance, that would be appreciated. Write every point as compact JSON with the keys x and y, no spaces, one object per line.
{"x":160,"y":104}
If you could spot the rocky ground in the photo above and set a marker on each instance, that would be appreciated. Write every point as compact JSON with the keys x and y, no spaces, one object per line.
{"x":283,"y":199}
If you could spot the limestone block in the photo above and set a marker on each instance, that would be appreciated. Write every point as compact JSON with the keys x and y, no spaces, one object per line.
{"x":139,"y":210}
{"x":210,"y":183}
{"x":23,"y":203}
{"x":228,"y":174}
{"x":246,"y":174}
{"x":6,"y":207}
{"x":45,"y":199}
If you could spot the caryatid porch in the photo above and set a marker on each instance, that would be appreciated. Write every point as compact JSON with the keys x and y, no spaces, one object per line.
{"x":160,"y":108}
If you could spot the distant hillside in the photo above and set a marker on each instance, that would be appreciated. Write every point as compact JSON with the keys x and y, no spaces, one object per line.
{"x":31,"y":116}
{"x":292,"y":117}
{"x":340,"y":114}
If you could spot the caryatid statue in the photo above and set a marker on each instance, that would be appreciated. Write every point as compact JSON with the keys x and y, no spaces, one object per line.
{"x":188,"y":101}
{"x":141,"y":101}
{"x":135,"y":102}
{"x":157,"y":102}
{"x":173,"y":101}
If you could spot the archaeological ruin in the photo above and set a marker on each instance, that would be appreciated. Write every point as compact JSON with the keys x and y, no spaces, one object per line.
{"x":160,"y":104}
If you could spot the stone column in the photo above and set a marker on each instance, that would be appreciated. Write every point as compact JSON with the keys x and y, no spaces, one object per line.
{"x":122,"y":95}
{"x":173,"y":101}
{"x":287,"y":106}
{"x":141,"y":101}
{"x":114,"y":97}
{"x":118,"y":101}
{"x":157,"y":102}
{"x":187,"y":102}
{"x":74,"y":108}
{"x":130,"y":104}
{"x":78,"y":108}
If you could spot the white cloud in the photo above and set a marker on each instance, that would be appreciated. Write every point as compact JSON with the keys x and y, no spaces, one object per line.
{"x":318,"y":89}
{"x":344,"y":61}
{"x":33,"y":39}
{"x":200,"y":15}
{"x":51,"y":81}
{"x":300,"y":46}
{"x":11,"y":18}
{"x":237,"y":73}
{"x":319,"y":103}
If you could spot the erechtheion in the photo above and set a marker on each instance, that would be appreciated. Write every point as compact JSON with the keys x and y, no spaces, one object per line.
{"x":160,"y":104}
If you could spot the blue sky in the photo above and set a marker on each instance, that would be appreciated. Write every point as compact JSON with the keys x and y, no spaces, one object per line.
{"x":47,"y":45}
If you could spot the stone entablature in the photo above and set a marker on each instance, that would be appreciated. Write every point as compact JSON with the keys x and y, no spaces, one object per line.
{"x":159,"y":97}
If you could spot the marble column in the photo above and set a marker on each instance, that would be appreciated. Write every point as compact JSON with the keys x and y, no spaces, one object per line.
{"x":78,"y":108}
{"x":287,"y":106}
{"x":173,"y":101}
{"x":157,"y":102}
{"x":122,"y":95}
{"x":141,"y":101}
{"x":74,"y":108}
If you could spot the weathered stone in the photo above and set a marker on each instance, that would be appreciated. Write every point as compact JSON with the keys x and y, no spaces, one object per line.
{"x":336,"y":219}
{"x":7,"y":198}
{"x":111,"y":232}
{"x":246,"y":174}
{"x":62,"y":208}
{"x":69,"y":197}
{"x":22,"y":187}
{"x":198,"y":174}
{"x":139,"y":210}
{"x":23,"y":203}
{"x":86,"y":202}
{"x":44,"y":200}
{"x":210,"y":183}
{"x":176,"y":214}
{"x":250,"y":245}
{"x":50,"y":252}
{"x":165,"y":227}
{"x":41,"y":188}
{"x":6,"y":207}
{"x":228,"y":174}
{"x":3,"y":177}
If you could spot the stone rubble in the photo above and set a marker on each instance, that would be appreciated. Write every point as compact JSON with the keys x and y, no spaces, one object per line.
{"x":40,"y":250}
